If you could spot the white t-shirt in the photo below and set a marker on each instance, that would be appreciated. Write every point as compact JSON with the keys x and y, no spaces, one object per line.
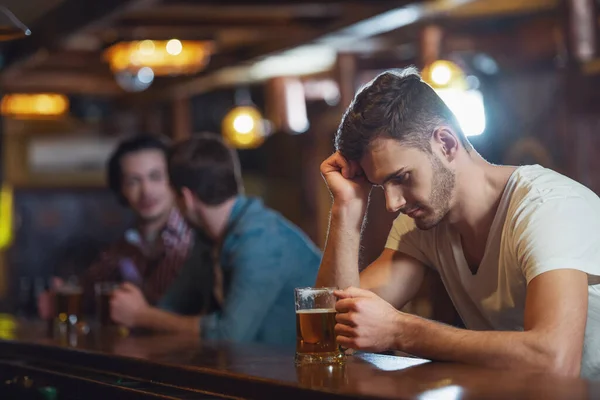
{"x":545,"y":221}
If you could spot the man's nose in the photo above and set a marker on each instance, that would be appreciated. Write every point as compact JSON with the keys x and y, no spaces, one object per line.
{"x":394,"y":200}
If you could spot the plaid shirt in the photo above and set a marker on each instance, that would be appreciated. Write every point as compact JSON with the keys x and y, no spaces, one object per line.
{"x":156,"y":266}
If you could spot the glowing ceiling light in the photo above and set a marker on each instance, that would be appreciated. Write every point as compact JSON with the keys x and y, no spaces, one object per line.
{"x":243,"y":127}
{"x":443,"y":74}
{"x":174,"y":47}
{"x":146,"y":47}
{"x":163,"y":57}
{"x":34,"y":105}
{"x":243,"y":124}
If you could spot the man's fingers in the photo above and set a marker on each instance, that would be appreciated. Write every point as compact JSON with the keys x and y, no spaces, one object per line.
{"x":336,"y":162}
{"x":345,"y":318}
{"x":345,"y":305}
{"x":344,"y":330}
{"x":345,"y":342}
{"x":353,"y":292}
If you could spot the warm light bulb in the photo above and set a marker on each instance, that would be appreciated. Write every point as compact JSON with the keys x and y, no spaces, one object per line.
{"x":441,"y":74}
{"x":171,"y":57}
{"x":146,"y":47}
{"x":243,"y":124}
{"x":44,"y":104}
{"x":33,"y":105}
{"x":174,"y":47}
{"x":243,"y":127}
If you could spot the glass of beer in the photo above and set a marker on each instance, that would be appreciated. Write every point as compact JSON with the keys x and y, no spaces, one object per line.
{"x":104,"y":291}
{"x":68,"y":303}
{"x":315,"y":323}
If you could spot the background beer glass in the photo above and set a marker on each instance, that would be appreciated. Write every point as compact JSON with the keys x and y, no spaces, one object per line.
{"x":315,"y":323}
{"x":68,"y":303}
{"x":104,"y":291}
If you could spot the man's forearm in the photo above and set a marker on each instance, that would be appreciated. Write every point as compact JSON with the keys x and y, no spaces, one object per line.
{"x":435,"y":341}
{"x":339,"y":266}
{"x":159,"y":320}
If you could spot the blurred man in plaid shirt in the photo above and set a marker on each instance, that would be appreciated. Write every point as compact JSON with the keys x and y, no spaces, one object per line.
{"x":149,"y":255}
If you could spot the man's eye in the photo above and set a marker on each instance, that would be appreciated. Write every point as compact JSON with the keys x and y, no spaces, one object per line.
{"x":403,"y":178}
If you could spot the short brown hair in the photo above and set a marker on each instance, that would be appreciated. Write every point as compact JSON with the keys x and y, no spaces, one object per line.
{"x":396,"y":104}
{"x":205,"y":165}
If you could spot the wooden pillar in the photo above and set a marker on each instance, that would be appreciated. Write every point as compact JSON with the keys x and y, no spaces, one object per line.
{"x":581,"y":29}
{"x":579,"y":120}
{"x":430,"y":44}
{"x":181,"y":119}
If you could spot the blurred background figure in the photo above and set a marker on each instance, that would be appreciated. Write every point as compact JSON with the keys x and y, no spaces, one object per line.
{"x":150,"y":254}
{"x":260,"y":257}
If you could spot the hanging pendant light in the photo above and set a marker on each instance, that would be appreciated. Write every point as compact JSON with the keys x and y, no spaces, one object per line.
{"x":244,"y":126}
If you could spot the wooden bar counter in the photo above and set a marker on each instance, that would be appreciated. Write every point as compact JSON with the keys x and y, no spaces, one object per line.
{"x":38,"y":362}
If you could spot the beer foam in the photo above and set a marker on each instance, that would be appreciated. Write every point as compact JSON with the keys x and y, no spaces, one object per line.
{"x":307,"y":293}
{"x":316,"y":311}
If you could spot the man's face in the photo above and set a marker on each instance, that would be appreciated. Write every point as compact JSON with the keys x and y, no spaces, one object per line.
{"x":415,"y":182}
{"x":145,"y":184}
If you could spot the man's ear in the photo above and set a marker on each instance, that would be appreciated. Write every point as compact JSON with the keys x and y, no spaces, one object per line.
{"x":187,"y":198}
{"x":446,"y":140}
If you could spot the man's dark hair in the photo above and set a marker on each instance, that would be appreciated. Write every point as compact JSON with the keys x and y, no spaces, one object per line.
{"x":205,"y":165}
{"x":396,"y":104}
{"x":134,"y":144}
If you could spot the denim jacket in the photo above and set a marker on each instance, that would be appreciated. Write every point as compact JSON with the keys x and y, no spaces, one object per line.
{"x":263,"y":258}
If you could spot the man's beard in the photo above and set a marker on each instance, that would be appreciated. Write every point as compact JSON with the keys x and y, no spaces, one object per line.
{"x":442,"y":188}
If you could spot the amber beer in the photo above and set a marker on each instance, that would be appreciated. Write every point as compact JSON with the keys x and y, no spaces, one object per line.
{"x":68,"y":302}
{"x":315,"y":331}
{"x":315,"y":324}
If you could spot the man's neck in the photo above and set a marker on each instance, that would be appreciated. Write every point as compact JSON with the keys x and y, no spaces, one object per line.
{"x":217,"y":217}
{"x":150,"y":229}
{"x":478,"y":198}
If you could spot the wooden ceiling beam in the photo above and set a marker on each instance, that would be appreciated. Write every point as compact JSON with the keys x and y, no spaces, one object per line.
{"x":69,"y":17}
{"x":224,"y":21}
{"x":61,"y":82}
{"x":246,"y":10}
{"x":223,"y":35}
{"x":231,"y":3}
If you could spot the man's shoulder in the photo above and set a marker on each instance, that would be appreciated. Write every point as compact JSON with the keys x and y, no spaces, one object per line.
{"x":264,"y":228}
{"x":546,"y":202}
{"x":258,"y":218}
{"x":537,"y":182}
{"x":536,"y":187}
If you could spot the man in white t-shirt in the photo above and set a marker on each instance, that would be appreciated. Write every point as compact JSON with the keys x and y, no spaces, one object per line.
{"x":518,"y":249}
